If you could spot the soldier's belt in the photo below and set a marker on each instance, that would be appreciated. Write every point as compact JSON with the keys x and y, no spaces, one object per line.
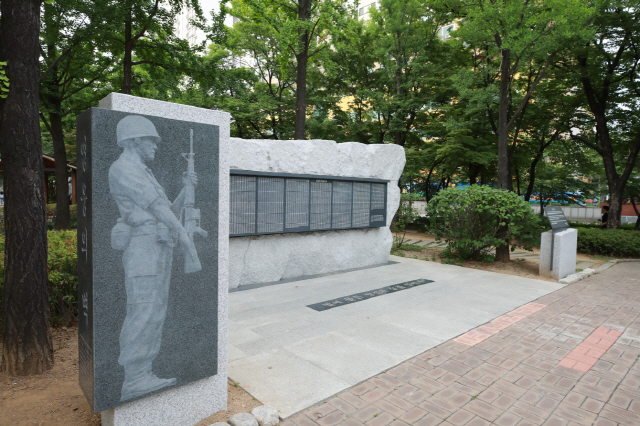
{"x":144,"y":230}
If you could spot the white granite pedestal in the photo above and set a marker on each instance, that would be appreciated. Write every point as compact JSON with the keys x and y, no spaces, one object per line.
{"x":565,"y":246}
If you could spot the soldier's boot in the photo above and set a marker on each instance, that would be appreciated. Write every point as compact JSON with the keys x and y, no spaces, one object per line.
{"x":140,"y":380}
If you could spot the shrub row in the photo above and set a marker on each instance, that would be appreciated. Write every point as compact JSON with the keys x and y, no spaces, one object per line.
{"x":62,"y":264}
{"x":609,"y":242}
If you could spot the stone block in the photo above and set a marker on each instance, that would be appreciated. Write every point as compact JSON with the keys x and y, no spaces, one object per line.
{"x":193,"y":347}
{"x":266,"y":415}
{"x":268,"y":258}
{"x":243,"y":419}
{"x":565,"y":246}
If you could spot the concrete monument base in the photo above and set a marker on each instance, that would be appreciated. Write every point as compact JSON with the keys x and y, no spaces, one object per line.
{"x":565,"y":246}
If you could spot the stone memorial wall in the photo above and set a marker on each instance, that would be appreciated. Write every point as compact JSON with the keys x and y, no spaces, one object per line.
{"x":284,"y":255}
{"x":153,"y":261}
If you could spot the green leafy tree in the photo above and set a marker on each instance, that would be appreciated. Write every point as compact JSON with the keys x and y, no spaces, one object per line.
{"x":265,"y":107}
{"x":607,"y":73}
{"x":73,"y":69}
{"x":301,"y":28}
{"x":511,"y":35}
{"x":387,"y":77}
{"x":142,"y":33}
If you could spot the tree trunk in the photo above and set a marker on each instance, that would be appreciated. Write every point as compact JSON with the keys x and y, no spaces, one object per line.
{"x":301,"y":96}
{"x":53,"y":100}
{"x":63,"y":216}
{"x":128,"y":48}
{"x":27,"y":345}
{"x":302,"y":58}
{"x":504,"y":176}
{"x":597,"y":100}
{"x":615,"y":208}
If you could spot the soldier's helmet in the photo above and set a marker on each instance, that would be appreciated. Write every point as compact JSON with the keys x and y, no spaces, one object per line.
{"x":135,"y":126}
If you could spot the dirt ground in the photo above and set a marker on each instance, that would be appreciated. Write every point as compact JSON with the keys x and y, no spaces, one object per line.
{"x":55,"y":399}
{"x":524,"y":267}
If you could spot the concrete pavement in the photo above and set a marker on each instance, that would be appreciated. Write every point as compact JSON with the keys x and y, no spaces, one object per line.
{"x":291,"y":356}
{"x":568,"y":358}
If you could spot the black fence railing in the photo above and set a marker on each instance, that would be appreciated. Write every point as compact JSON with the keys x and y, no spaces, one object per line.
{"x":274,"y":203}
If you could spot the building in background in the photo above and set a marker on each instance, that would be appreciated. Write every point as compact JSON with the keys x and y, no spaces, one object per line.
{"x":191,"y":33}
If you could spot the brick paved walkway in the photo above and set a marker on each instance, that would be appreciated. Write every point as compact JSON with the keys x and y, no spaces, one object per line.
{"x":514,"y":376}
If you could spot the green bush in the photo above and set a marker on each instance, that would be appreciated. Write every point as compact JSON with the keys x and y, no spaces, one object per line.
{"x":62,"y":262}
{"x":469,"y":220}
{"x":609,"y":242}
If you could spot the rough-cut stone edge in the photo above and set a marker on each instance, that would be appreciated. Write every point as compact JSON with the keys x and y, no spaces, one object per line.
{"x":188,"y":404}
{"x":574,"y":278}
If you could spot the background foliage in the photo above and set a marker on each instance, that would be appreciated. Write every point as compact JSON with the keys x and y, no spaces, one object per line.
{"x":469,"y":220}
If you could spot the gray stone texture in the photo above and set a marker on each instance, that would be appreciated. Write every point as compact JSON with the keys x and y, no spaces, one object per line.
{"x":192,"y":402}
{"x":565,"y":246}
{"x":268,"y":258}
{"x":266,"y":415}
{"x":243,"y":419}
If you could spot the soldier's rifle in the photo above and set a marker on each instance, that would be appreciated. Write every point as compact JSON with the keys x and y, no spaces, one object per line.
{"x":190,"y":216}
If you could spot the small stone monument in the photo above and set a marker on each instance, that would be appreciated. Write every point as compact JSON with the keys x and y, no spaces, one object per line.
{"x":558,"y":247}
{"x":152,"y":261}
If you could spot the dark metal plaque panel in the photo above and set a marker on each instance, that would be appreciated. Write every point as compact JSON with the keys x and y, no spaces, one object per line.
{"x":144,"y":310}
{"x":297,"y":205}
{"x":378,"y":204}
{"x":320,"y":204}
{"x":556,"y":217}
{"x":270,"y":215}
{"x":272,"y":203}
{"x":333,"y":303}
{"x":242,"y":205}
{"x":361,"y":204}
{"x":341,"y":205}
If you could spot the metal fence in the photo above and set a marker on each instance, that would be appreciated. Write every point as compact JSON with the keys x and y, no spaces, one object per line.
{"x":274,"y":203}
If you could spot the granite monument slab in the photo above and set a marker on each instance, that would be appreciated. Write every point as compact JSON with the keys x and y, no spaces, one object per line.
{"x":556,"y":217}
{"x":147,"y":254}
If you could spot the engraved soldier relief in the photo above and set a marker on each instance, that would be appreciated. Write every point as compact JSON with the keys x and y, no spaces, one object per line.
{"x":148,"y":229}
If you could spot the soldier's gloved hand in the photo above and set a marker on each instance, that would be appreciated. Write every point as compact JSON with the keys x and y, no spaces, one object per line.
{"x":190,"y":177}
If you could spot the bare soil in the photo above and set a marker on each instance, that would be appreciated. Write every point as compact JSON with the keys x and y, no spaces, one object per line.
{"x":55,"y":399}
{"x":523,"y":267}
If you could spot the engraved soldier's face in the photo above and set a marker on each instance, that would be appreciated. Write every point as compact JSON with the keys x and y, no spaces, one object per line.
{"x":147,"y":148}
